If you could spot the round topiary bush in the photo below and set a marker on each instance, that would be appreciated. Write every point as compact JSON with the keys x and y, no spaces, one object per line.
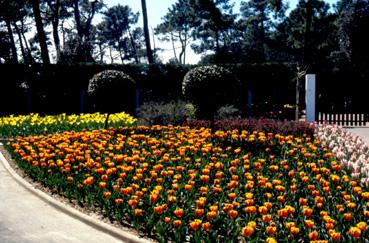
{"x":112,"y":91}
{"x":209,"y":87}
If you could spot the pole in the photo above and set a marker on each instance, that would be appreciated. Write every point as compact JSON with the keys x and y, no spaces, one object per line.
{"x":297,"y":98}
{"x":310,"y":97}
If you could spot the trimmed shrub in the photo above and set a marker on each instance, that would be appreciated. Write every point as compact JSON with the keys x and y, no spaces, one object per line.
{"x":112,"y":91}
{"x":208,"y":88}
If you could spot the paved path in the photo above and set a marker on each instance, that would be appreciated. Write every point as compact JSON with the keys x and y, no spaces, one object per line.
{"x":26,"y":218}
{"x":362,"y":132}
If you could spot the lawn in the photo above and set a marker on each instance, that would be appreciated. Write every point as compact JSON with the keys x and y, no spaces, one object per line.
{"x":186,"y":184}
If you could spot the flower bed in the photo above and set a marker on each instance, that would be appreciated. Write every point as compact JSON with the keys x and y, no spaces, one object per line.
{"x":264,"y":125}
{"x":182,"y":184}
{"x":350,"y":150}
{"x":33,"y":124}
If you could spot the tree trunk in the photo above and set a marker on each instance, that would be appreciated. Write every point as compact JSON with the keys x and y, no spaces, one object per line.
{"x":133,"y":46}
{"x":217,"y":47}
{"x":56,"y":39}
{"x":121,"y":55}
{"x":40,"y":31}
{"x":262,"y":39}
{"x":106,"y":123}
{"x":12,"y":42}
{"x":174,"y":48}
{"x":150,"y":56}
{"x":182,"y":54}
{"x":88,"y":47}
{"x":308,"y":21}
{"x":29,"y":53}
{"x":184,"y":48}
{"x":55,"y":24}
{"x":77,"y":18}
{"x":111,"y":55}
{"x":63,"y":32}
{"x":101,"y":53}
{"x":25,"y":59}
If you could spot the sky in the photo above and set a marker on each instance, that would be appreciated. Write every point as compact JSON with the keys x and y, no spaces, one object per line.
{"x":156,"y":9}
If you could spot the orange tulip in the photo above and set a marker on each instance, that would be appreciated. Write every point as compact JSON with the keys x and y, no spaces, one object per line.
{"x":206,"y":226}
{"x":309,"y":223}
{"x":313,"y":235}
{"x":361,"y":225}
{"x":177,"y":223}
{"x":263,"y":210}
{"x":158,"y":209}
{"x":295,"y":230}
{"x":250,"y":209}
{"x":233,"y":214}
{"x":211,"y":215}
{"x":335,"y":236}
{"x":232,"y":196}
{"x":347,"y":216}
{"x":107,"y":194}
{"x":132,"y":203}
{"x":102,"y":184}
{"x":247,"y":231}
{"x":199,"y":212}
{"x":194,"y":225}
{"x":179,"y":212}
{"x":271,"y":230}
{"x":303,"y":201}
{"x":267,"y":218}
{"x":307,"y":211}
{"x":138,"y":212}
{"x":355,"y":232}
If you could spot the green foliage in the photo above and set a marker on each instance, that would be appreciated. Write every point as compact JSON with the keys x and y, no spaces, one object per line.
{"x":353,"y":18}
{"x":209,"y":87}
{"x":5,"y":45}
{"x":112,"y":87}
{"x":115,"y":30}
{"x":255,"y":28}
{"x":177,"y":26}
{"x":160,"y":113}
{"x":311,"y":44}
{"x":227,"y":112}
{"x":214,"y":30}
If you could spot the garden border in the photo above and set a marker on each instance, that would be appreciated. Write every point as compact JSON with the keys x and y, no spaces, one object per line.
{"x":118,"y":233}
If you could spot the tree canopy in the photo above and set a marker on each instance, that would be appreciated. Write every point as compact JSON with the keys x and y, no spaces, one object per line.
{"x":312,"y":33}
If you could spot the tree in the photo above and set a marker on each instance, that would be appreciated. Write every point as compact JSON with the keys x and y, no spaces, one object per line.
{"x":116,"y":27}
{"x":101,"y":41}
{"x":56,"y":10}
{"x":112,"y":91}
{"x":40,"y":31}
{"x":83,"y":11}
{"x":215,"y":80}
{"x":177,"y":26}
{"x":150,"y":57}
{"x":5,"y":48}
{"x":8,"y":10}
{"x":292,"y":33}
{"x":353,"y":18}
{"x":215,"y":28}
{"x":256,"y":26}
{"x":352,"y":56}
